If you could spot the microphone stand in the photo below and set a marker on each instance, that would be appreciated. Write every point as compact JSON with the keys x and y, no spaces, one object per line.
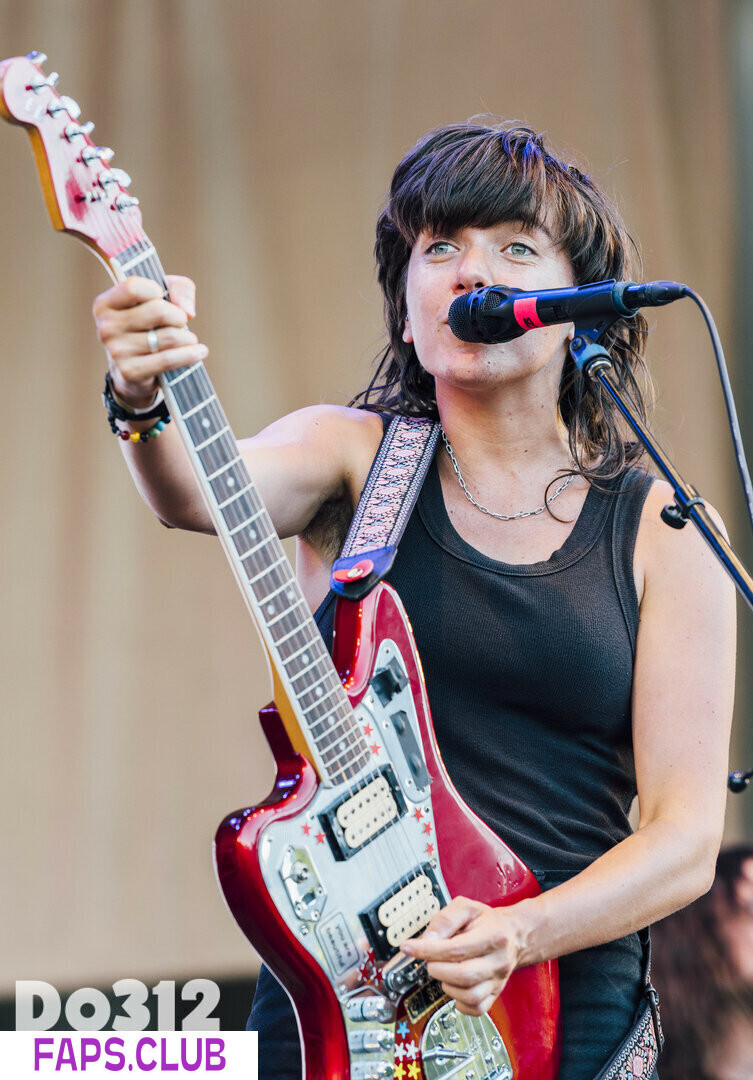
{"x":594,"y":362}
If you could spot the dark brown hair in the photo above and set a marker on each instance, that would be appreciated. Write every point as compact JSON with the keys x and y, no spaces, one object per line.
{"x":467,"y":175}
{"x":701,"y":991}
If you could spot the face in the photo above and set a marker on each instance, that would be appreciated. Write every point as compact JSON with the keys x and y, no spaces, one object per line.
{"x":443,"y":267}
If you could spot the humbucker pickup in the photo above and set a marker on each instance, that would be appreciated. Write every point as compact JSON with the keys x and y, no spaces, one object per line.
{"x":403,"y":911}
{"x":357,"y":818}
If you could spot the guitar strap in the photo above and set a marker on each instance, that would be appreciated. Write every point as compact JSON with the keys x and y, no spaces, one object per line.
{"x":389,"y":495}
{"x":637,"y":1055}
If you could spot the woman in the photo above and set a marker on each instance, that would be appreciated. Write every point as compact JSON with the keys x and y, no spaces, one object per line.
{"x":528,"y":622}
{"x":703,"y":966}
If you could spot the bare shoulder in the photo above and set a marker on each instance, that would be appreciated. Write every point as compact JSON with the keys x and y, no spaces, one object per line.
{"x":312,"y":461}
{"x":332,"y":426}
{"x":674,"y":559}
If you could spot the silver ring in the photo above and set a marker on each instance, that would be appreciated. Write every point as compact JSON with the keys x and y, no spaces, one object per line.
{"x":152,"y":341}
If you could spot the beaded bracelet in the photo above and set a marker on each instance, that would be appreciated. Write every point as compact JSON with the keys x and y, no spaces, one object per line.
{"x":116,"y":411}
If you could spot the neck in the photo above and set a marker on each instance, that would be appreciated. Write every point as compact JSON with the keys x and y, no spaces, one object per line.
{"x":516,"y":429}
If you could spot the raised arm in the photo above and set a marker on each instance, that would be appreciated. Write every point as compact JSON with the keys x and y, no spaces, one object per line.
{"x":299,"y":463}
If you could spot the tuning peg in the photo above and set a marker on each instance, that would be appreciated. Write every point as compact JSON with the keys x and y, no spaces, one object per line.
{"x":114,"y":176}
{"x":38,"y":84}
{"x":96,"y":153}
{"x":37,"y":57}
{"x":72,"y":130}
{"x":125,"y":202}
{"x":64,"y":104}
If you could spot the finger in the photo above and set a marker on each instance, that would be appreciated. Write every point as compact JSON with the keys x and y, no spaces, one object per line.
{"x":474,"y":942}
{"x":152,"y":314}
{"x":447,"y":922}
{"x":467,"y":974}
{"x":141,"y":368}
{"x":128,"y":293}
{"x":477,"y":1010}
{"x":475,"y":1000}
{"x":182,"y":293}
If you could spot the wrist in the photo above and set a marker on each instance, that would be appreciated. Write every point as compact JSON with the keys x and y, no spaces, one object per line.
{"x":128,"y":406}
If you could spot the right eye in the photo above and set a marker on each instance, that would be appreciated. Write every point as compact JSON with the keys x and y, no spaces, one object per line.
{"x":440,"y":247}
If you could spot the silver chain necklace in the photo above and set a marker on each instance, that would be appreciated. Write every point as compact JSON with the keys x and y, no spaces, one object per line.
{"x":485,"y":510}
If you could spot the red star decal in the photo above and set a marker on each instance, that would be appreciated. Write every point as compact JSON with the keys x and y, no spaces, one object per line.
{"x":368,"y":730}
{"x":320,"y":837}
{"x":429,"y":849}
{"x":374,"y":748}
{"x":306,"y":829}
{"x":427,"y":829}
{"x":417,"y":813}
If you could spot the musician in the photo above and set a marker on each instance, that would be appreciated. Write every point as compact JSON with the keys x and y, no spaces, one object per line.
{"x":573,"y":656}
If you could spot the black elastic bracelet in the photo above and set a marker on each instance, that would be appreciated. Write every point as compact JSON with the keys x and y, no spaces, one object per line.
{"x":115,"y":412}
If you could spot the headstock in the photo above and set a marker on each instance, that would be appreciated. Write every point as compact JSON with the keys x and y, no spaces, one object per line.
{"x":84,"y":195}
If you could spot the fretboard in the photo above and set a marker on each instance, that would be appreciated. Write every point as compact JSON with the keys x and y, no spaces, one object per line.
{"x":272,"y":593}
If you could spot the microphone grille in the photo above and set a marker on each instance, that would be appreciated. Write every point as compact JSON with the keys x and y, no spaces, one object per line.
{"x":492,"y":299}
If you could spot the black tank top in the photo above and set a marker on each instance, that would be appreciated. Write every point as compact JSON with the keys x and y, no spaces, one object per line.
{"x":529,"y":671}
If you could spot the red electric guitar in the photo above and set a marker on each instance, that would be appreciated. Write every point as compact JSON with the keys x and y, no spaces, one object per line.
{"x":363,"y":837}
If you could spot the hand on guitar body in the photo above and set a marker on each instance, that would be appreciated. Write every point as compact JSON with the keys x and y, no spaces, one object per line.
{"x":124,"y":316}
{"x":472,"y":949}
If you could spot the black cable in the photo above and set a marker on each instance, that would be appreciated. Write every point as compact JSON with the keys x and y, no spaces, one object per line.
{"x":729,"y":401}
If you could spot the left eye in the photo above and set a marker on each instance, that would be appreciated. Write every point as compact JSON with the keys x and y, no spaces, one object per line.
{"x":519,"y":248}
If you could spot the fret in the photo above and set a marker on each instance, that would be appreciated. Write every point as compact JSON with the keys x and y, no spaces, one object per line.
{"x":218,"y":453}
{"x":282,"y":559}
{"x":212,"y":438}
{"x":317,"y":689}
{"x":231,"y":481}
{"x":205,"y":420}
{"x":248,"y":521}
{"x":313,"y":664}
{"x":256,"y":547}
{"x":200,"y":406}
{"x":183,"y":374}
{"x":287,"y":611}
{"x":224,"y":467}
{"x":237,"y":495}
{"x":327,"y":716}
{"x":295,"y":630}
{"x":137,"y":260}
{"x":348,"y":752}
{"x":275,"y":592}
{"x":194,"y":392}
{"x":295,"y":655}
{"x":242,"y":509}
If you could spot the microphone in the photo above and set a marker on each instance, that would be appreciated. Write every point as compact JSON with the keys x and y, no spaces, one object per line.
{"x":500,"y":313}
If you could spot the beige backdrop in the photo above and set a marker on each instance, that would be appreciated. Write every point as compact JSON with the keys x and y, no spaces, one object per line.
{"x":261,"y":137}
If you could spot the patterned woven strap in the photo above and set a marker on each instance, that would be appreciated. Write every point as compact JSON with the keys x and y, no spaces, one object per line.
{"x":388,"y":497}
{"x":637,"y":1057}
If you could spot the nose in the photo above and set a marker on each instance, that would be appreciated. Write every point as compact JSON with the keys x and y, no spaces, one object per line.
{"x":473,"y":271}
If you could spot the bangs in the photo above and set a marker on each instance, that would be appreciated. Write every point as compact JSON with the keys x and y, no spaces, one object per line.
{"x":464,"y":176}
{"x":480,"y":180}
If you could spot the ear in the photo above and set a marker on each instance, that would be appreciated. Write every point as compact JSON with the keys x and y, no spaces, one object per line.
{"x":407,"y":332}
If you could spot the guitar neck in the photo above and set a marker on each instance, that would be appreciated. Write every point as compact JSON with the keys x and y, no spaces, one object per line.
{"x":261,"y":567}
